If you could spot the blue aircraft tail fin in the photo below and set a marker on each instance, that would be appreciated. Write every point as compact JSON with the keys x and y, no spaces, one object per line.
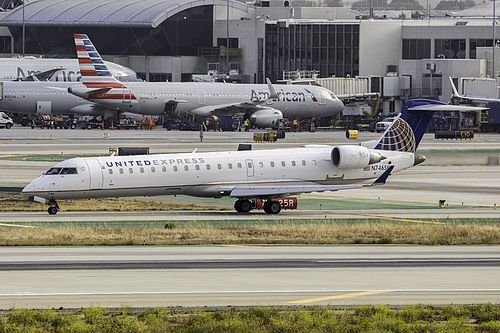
{"x":407,"y":130}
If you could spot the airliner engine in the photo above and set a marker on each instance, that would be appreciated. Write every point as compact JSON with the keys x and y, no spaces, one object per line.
{"x":266,"y":118}
{"x":354,"y":157}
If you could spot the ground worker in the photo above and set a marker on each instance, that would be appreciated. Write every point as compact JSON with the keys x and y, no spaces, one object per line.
{"x":295,"y":124}
{"x":246,"y":123}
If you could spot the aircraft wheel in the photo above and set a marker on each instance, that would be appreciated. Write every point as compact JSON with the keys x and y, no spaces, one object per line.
{"x":272,"y":207}
{"x":237,"y":206}
{"x":243,"y":206}
{"x":52,"y":210}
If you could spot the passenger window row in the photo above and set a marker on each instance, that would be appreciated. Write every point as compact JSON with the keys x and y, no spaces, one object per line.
{"x":208,"y":166}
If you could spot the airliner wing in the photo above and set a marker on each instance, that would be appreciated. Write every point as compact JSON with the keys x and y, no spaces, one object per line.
{"x":257,"y":191}
{"x":242,"y":107}
{"x":228,"y":109}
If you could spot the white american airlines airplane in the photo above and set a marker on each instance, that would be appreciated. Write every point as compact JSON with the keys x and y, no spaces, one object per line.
{"x":263,"y":104}
{"x":244,"y":175}
{"x":62,"y":70}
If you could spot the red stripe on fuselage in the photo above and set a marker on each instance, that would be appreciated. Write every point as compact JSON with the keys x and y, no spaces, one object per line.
{"x":112,"y":96}
{"x":103,"y":85}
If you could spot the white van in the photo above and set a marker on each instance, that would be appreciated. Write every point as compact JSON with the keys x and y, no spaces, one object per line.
{"x":381,"y":126}
{"x":5,"y":121}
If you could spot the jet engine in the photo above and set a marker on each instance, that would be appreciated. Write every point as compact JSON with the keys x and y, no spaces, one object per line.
{"x":350,"y":157}
{"x":266,"y":118}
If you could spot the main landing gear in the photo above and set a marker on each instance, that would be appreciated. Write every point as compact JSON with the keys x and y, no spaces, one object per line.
{"x":54,"y":207}
{"x":245,"y":206}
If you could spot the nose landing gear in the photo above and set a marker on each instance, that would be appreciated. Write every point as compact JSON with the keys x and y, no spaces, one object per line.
{"x":54,"y":207}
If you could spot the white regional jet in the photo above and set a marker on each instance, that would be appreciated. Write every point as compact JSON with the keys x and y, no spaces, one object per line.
{"x":62,"y":70}
{"x":244,"y":175}
{"x":264,"y":104}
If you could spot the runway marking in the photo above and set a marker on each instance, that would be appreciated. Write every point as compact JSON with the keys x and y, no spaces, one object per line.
{"x":229,"y":245}
{"x":17,"y":225}
{"x":191,"y":292}
{"x":319,"y":299}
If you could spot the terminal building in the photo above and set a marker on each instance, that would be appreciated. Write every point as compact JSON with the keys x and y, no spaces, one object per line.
{"x":166,"y":40}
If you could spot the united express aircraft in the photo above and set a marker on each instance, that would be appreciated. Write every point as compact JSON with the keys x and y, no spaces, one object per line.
{"x":263,"y":104}
{"x":244,"y":175}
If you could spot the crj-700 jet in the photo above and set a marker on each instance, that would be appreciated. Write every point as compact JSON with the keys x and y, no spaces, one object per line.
{"x":244,"y":175}
{"x":263,"y":104}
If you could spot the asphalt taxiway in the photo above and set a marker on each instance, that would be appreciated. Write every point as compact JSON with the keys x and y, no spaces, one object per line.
{"x":247,"y":275}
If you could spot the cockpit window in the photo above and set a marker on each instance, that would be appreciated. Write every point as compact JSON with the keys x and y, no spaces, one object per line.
{"x":53,"y":171}
{"x":62,"y":171}
{"x":69,"y":171}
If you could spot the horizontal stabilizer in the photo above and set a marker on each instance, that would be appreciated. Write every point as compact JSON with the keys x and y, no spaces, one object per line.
{"x":84,"y":92}
{"x":42,"y":76}
{"x":383,"y":178}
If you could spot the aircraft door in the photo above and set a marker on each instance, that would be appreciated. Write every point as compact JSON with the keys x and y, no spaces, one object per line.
{"x":95,"y":173}
{"x":250,"y":169}
{"x":201,"y":96}
{"x":322,"y":100}
{"x":43,"y":107}
{"x":127,"y":96}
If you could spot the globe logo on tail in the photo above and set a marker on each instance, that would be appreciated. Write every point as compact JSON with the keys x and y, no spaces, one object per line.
{"x":399,"y":137}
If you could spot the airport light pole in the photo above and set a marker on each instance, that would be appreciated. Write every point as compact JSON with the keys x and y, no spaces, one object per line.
{"x":227,"y":39}
{"x":494,"y":43}
{"x":24,"y":27}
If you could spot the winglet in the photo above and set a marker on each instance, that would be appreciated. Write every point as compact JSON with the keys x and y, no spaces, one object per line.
{"x":383,"y":178}
{"x":455,"y":91}
{"x":272,"y":91}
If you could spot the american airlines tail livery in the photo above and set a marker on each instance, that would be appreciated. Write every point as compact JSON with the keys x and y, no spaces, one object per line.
{"x":262,"y":104}
{"x":244,"y":175}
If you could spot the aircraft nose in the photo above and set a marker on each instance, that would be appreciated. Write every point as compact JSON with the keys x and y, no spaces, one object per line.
{"x":29,"y":188}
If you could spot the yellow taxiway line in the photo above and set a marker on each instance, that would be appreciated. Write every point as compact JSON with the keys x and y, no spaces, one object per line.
{"x":319,"y":299}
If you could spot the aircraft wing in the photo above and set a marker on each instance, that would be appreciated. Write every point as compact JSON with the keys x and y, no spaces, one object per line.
{"x":42,"y":76}
{"x":229,"y":109}
{"x":257,"y":191}
{"x":242,"y":107}
{"x":446,"y":107}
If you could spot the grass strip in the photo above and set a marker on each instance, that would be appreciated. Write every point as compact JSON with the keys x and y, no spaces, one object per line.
{"x":417,"y":318}
{"x":279,"y":233}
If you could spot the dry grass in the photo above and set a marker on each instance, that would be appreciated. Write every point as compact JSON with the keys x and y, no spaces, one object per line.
{"x":363,"y":233}
{"x":19,"y":203}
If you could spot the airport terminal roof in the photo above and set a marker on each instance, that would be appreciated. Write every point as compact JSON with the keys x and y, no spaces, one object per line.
{"x":483,"y":10}
{"x":111,"y":13}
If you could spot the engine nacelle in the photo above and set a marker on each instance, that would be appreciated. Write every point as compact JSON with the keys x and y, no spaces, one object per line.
{"x":266,"y":118}
{"x":351,"y":157}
